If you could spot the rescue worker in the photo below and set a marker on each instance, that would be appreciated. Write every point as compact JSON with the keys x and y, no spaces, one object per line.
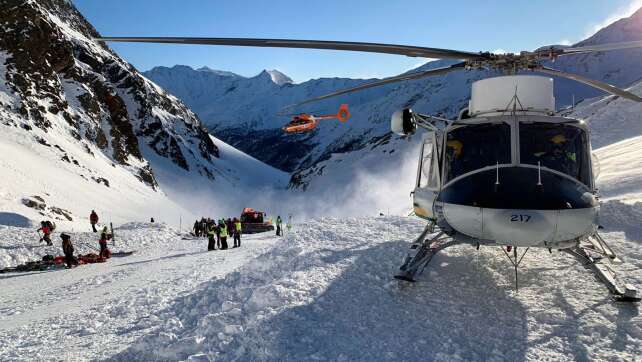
{"x":561,"y":158}
{"x":46,"y":231}
{"x":68,"y":250}
{"x":278,"y":225}
{"x":93,"y":219}
{"x":104,"y":236}
{"x":455,"y":149}
{"x":237,"y":233}
{"x":217,"y":228}
{"x":223,"y":232}
{"x":211,"y":230}
{"x":197,"y":229}
{"x":230,"y":226}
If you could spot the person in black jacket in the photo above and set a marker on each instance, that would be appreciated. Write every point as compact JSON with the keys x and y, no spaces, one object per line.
{"x":68,"y":249}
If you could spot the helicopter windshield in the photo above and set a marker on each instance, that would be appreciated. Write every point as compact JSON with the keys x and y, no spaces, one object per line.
{"x":470,"y":148}
{"x":559,"y":147}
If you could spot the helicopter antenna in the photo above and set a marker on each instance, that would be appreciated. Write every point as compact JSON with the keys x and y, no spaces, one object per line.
{"x":512,"y":105}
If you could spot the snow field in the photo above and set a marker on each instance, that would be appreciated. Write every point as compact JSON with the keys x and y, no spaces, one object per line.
{"x":94,"y":311}
{"x":325,"y":292}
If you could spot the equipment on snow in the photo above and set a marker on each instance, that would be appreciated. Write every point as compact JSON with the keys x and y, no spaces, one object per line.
{"x":50,"y":262}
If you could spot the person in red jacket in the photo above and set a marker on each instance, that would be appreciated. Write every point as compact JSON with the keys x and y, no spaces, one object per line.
{"x":93,"y":219}
{"x":46,"y":230}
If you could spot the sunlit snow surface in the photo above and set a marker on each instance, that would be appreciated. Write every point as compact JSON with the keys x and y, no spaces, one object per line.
{"x":322,"y":292}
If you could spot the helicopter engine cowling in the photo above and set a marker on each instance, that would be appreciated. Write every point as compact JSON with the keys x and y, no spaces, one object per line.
{"x":403,"y":123}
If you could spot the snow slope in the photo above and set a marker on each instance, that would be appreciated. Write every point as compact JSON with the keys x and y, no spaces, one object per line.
{"x":81,"y":129}
{"x":95,"y":310}
{"x":324,"y":292}
{"x":239,"y":109}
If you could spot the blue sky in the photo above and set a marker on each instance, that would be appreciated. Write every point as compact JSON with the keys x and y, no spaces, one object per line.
{"x":473,"y":25}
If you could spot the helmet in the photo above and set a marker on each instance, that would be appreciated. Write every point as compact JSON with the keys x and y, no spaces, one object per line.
{"x":558,"y":139}
{"x":105,"y":229}
{"x":456,"y":145}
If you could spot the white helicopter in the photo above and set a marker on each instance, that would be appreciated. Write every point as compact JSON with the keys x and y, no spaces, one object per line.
{"x":508,"y":172}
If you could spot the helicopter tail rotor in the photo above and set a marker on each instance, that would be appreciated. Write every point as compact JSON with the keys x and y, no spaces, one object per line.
{"x":344,"y":114}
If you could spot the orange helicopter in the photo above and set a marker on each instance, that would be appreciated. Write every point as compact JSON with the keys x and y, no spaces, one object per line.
{"x":307,"y":122}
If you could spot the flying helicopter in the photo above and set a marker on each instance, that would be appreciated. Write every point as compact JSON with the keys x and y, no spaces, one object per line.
{"x":307,"y":122}
{"x":507,"y":172}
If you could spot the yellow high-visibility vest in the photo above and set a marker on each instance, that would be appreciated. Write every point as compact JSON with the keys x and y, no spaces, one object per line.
{"x":223,"y":231}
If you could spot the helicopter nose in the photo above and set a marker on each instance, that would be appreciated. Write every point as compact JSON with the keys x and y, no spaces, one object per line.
{"x":518,"y":188}
{"x":519,"y":211}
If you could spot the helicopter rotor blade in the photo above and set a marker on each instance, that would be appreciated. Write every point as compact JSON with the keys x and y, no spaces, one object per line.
{"x":399,"y":78}
{"x":601,"y":47}
{"x":407,"y":50}
{"x":593,"y":83}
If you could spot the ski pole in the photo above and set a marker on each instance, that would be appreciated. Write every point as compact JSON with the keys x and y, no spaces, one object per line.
{"x":113,"y":237}
{"x":38,"y":231}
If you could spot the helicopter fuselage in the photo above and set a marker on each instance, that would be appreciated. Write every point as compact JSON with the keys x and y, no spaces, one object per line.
{"x":510,"y":173}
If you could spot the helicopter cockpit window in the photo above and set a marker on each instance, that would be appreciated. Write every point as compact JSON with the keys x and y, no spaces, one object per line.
{"x":473,"y":147}
{"x":556,"y":146}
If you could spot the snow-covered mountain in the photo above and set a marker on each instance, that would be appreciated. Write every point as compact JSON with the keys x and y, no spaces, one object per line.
{"x":244,"y":111}
{"x":81,"y":129}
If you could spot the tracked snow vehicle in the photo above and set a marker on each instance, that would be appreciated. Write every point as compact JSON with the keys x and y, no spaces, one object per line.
{"x":253,"y":222}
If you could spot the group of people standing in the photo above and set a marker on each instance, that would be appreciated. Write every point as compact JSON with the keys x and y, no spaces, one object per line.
{"x":218,"y":232}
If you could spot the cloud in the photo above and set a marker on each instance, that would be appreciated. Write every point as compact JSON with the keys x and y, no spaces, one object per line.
{"x":619,"y":13}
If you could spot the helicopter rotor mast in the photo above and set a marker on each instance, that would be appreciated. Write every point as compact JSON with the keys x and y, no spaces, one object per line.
{"x":509,"y":62}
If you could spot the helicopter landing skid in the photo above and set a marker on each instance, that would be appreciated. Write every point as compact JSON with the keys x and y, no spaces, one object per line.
{"x":421,"y":252}
{"x":596,"y":256}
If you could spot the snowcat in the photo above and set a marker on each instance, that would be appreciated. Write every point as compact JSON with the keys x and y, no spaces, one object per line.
{"x":253,"y":222}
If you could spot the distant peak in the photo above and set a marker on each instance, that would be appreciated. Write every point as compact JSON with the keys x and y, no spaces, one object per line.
{"x":223,"y":73}
{"x":276,"y":76}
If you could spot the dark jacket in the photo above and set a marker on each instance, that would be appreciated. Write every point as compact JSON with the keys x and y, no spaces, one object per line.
{"x":93,"y":218}
{"x":67,"y":247}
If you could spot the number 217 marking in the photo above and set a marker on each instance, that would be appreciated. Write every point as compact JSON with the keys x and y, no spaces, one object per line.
{"x":520,"y":218}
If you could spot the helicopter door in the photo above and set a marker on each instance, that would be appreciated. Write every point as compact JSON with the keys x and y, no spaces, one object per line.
{"x":428,"y":176}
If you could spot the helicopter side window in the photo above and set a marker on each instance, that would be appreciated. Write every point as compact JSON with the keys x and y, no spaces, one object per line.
{"x":429,"y":168}
{"x":470,"y":148}
{"x":559,"y":147}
